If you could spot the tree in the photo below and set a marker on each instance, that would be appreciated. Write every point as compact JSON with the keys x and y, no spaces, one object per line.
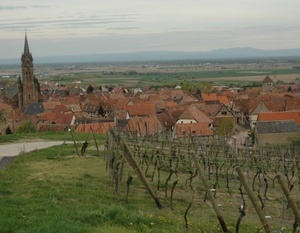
{"x":26,"y":127}
{"x":3,"y":115}
{"x":225,"y":126}
{"x":8,"y":130}
{"x":90,"y":89}
{"x":101,"y":111}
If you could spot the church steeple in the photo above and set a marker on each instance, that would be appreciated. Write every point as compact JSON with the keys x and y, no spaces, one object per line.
{"x":26,"y":56}
{"x":30,"y":85}
{"x":26,"y":46}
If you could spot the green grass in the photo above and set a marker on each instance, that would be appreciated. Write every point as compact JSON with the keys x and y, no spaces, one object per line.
{"x":44,"y":192}
{"x":46,"y":136}
{"x":173,"y":77}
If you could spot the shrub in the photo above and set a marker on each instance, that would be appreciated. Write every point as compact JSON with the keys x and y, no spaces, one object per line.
{"x":26,"y":127}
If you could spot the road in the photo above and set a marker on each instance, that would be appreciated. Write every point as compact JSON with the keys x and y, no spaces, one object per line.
{"x":8,"y":152}
{"x":14,"y":149}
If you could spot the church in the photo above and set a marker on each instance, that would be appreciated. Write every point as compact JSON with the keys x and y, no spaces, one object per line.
{"x":26,"y":90}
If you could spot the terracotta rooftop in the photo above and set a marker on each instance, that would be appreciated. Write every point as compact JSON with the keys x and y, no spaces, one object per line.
{"x":144,"y":125}
{"x":141,"y":109}
{"x":209,"y":97}
{"x":196,"y":129}
{"x":267,"y":79}
{"x":96,"y":128}
{"x":280,"y":116}
{"x":194,"y":113}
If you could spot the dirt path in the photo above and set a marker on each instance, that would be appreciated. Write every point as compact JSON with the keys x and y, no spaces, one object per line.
{"x":14,"y":149}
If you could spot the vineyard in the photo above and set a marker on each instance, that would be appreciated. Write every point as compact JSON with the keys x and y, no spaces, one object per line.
{"x":259,"y":185}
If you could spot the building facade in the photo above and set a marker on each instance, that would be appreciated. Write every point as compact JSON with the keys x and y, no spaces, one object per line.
{"x":27,"y":88}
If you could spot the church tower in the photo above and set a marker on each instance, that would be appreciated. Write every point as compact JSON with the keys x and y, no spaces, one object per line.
{"x":30,"y":92}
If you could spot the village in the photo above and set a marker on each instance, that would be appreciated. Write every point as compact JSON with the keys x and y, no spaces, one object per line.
{"x":269,"y":113}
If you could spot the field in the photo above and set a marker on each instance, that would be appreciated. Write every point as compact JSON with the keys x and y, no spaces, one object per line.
{"x":159,"y":73}
{"x":48,"y":191}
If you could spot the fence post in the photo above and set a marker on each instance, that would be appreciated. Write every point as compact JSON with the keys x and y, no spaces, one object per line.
{"x":253,"y":201}
{"x":289,"y":198}
{"x":210,"y":195}
{"x":75,"y":144}
{"x":132,"y":162}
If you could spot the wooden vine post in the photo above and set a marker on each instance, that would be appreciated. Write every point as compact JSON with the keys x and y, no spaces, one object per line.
{"x":210,"y":195}
{"x":253,"y":201}
{"x":289,"y":198}
{"x":75,"y":144}
{"x":132,"y":162}
{"x":95,"y":140}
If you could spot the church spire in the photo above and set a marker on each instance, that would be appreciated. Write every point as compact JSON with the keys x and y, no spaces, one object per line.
{"x":26,"y":54}
{"x":26,"y":46}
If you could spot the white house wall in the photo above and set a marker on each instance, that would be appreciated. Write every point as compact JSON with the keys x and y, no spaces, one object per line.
{"x":186,"y":121}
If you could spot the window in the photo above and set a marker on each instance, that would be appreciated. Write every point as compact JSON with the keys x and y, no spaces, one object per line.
{"x":224,"y":113}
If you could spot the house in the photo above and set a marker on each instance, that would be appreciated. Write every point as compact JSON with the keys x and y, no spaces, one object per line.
{"x":55,"y":121}
{"x":193,"y":115}
{"x":267,"y":84}
{"x":102,"y":127}
{"x":280,"y":116}
{"x":166,"y":120}
{"x":253,"y":114}
{"x":212,"y":98}
{"x":192,"y":123}
{"x":275,"y":132}
{"x":201,"y":129}
{"x":141,"y":109}
{"x":223,"y":119}
{"x":144,"y":126}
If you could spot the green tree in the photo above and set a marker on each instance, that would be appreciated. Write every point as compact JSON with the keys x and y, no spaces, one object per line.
{"x":3,"y":115}
{"x":90,"y":89}
{"x":225,"y":126}
{"x":8,"y":130}
{"x":101,"y":111}
{"x":26,"y":127}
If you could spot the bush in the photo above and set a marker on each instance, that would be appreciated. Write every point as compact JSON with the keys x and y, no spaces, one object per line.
{"x":26,"y":127}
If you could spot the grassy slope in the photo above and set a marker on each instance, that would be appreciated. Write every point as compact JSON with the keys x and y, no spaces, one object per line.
{"x":41,"y":192}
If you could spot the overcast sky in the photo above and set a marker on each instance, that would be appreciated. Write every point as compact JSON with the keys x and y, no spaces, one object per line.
{"x":67,"y":27}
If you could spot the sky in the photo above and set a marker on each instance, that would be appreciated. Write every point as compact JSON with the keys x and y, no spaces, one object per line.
{"x":73,"y":27}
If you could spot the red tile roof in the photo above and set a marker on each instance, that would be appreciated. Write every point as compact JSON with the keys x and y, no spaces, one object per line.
{"x":209,"y":97}
{"x":224,"y":100}
{"x":267,"y":79}
{"x":50,"y":105}
{"x":142,"y":109}
{"x":61,"y":108}
{"x":280,"y":116}
{"x":97,"y":128}
{"x":194,"y":113}
{"x":6,"y":107}
{"x":193,"y":129}
{"x":144,"y":125}
{"x":57,"y":118}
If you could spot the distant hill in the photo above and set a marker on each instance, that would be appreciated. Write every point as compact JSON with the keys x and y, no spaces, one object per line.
{"x":231,"y":53}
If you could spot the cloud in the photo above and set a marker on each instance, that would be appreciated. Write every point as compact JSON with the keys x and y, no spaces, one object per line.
{"x":69,"y":23}
{"x":8,"y":8}
{"x":5,"y":8}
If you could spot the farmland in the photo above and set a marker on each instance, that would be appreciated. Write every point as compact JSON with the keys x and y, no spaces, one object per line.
{"x":165,"y":73}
